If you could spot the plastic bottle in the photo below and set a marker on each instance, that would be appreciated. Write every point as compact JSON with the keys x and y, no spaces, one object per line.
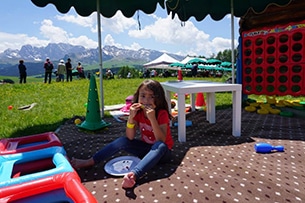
{"x":263,"y":147}
{"x":180,"y":77}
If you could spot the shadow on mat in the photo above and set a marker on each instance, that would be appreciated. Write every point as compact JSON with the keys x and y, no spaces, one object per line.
{"x":81,"y":144}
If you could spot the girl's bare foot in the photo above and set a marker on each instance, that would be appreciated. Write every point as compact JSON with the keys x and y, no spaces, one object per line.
{"x":81,"y":163}
{"x":129,"y":180}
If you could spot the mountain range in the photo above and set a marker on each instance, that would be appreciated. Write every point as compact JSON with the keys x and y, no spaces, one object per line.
{"x":112,"y":56}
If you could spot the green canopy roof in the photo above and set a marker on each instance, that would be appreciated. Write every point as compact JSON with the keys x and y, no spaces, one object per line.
{"x":197,"y":60}
{"x":217,"y":9}
{"x":213,"y":61}
{"x":108,"y":8}
{"x":176,"y":64}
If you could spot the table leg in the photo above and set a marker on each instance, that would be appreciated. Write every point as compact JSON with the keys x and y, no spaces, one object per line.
{"x":236,"y":120}
{"x":192,"y":100}
{"x":210,"y":111}
{"x":181,"y":118}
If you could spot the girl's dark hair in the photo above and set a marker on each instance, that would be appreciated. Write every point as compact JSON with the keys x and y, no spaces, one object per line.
{"x":157,"y":89}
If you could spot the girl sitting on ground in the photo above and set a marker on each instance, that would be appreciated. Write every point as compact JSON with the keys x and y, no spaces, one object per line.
{"x":150,"y":115}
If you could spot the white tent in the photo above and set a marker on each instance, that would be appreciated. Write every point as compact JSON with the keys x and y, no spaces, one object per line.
{"x":161,"y":63}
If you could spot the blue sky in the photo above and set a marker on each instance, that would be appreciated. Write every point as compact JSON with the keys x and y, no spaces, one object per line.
{"x":23,"y":23}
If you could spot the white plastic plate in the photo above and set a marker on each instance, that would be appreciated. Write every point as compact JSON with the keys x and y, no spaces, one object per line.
{"x":122,"y":165}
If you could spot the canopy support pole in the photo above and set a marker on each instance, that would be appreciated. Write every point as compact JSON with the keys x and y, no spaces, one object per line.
{"x":100,"y":55}
{"x":232,"y":42}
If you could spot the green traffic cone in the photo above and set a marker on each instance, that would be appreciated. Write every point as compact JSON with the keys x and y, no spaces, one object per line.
{"x":93,"y":116}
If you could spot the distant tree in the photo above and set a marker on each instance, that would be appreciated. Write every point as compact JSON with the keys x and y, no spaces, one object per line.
{"x":122,"y":73}
{"x":226,"y":55}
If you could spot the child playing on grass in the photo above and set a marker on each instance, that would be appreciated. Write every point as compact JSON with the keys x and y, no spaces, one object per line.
{"x":150,"y":115}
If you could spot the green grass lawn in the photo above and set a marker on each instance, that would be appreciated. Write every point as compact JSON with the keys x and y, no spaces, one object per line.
{"x":57,"y":102}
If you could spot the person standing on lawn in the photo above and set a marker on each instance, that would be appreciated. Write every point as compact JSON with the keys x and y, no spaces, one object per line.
{"x":69,"y":70}
{"x":195,"y":69}
{"x":80,"y":70}
{"x":61,"y":71}
{"x":48,"y":67}
{"x":150,"y":115}
{"x":22,"y":72}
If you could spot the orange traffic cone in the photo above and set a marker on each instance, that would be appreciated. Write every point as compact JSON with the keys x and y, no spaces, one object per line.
{"x":200,"y":100}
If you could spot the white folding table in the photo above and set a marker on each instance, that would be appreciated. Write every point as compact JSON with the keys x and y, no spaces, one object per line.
{"x":210,"y":88}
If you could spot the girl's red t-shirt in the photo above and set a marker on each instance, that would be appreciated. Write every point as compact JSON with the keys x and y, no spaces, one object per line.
{"x":147,"y":134}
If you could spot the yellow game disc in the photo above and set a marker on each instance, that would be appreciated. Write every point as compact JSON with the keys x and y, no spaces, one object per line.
{"x":77,"y":121}
{"x":262,"y":111}
{"x":250,"y":108}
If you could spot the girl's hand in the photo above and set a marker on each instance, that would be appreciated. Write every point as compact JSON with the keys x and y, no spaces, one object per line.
{"x":150,"y":112}
{"x":134,"y":108}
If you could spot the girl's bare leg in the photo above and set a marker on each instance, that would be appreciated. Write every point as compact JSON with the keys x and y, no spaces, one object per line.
{"x":81,"y":163}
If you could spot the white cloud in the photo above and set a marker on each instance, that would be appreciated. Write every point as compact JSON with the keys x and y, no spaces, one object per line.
{"x":187,"y":38}
{"x":108,"y":40}
{"x":78,"y":20}
{"x":134,"y":46}
{"x":50,"y":33}
{"x":53,"y":33}
{"x":166,"y":32}
{"x":86,"y":22}
{"x":16,"y":41}
{"x":118,"y":23}
{"x":83,"y":41}
{"x":56,"y":34}
{"x":220,"y":43}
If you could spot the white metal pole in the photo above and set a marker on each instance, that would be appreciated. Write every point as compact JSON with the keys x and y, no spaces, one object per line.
{"x":100,"y":56}
{"x":232,"y":42}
